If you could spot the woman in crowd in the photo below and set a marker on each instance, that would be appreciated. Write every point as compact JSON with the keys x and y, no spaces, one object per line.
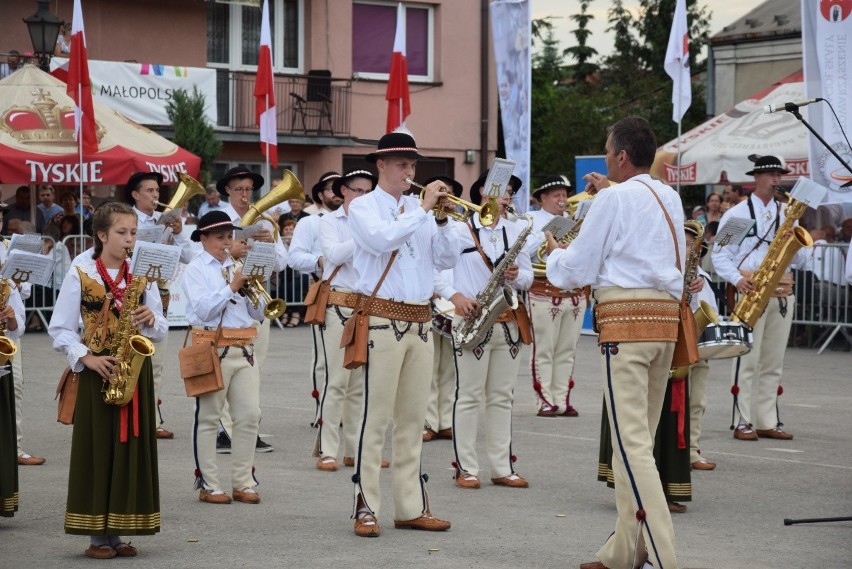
{"x":713,"y":208}
{"x":292,"y":284}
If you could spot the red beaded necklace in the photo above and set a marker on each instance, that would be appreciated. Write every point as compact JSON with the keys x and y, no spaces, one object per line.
{"x":112,"y":287}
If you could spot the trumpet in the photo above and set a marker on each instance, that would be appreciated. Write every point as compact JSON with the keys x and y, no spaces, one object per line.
{"x":487,"y":213}
{"x":254,"y":291}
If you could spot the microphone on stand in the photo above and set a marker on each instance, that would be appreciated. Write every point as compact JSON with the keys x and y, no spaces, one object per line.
{"x":790,"y":107}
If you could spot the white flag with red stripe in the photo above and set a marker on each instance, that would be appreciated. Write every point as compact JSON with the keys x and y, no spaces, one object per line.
{"x":264,"y":93}
{"x":80,"y":86}
{"x":677,"y":63}
{"x":399,"y":103}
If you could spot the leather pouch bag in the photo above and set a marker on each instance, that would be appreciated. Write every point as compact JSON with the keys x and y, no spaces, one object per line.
{"x":316,"y":300}
{"x":522,"y":318}
{"x":356,"y":334}
{"x":66,"y":393}
{"x":686,"y":347}
{"x":200,"y":367}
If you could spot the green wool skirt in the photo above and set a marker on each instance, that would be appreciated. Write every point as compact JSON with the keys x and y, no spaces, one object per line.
{"x":113,"y":486}
{"x":672,"y":462}
{"x":8,"y":449}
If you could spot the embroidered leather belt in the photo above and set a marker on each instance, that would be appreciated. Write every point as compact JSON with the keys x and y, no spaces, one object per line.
{"x":230,"y":336}
{"x":542,"y":287}
{"x":784,"y":288}
{"x":404,"y":311}
{"x":637,"y":320}
{"x":347,"y":299}
{"x":505,"y":316}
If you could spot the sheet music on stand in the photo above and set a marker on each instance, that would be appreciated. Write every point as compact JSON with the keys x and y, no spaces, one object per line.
{"x":25,"y":267}
{"x":260,"y":260}
{"x":582,"y":209}
{"x":559,"y":226}
{"x":151,"y":233}
{"x":155,"y":261}
{"x":808,"y":192}
{"x":734,"y":231}
{"x":29,"y":242}
{"x":498,"y":178}
{"x":247,"y":232}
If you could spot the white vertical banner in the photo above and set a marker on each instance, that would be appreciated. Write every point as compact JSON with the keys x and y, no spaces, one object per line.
{"x":826,"y":37}
{"x":511,"y":30}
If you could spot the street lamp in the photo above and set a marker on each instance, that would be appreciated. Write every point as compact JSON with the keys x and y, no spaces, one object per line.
{"x":44,"y":29}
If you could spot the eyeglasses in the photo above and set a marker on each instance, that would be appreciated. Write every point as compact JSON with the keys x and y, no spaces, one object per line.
{"x":242,"y":190}
{"x":357,"y":190}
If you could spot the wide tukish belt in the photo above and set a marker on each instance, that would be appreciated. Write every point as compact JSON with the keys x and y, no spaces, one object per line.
{"x":542,"y":287}
{"x":230,"y":336}
{"x":407,"y":312}
{"x":637,"y":320}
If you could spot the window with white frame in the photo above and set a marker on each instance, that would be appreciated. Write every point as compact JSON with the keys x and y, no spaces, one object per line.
{"x":373,"y":30}
{"x":233,"y":34}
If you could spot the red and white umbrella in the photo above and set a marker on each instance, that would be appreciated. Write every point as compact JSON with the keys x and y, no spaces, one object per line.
{"x":37,"y":139}
{"x":717,"y":151}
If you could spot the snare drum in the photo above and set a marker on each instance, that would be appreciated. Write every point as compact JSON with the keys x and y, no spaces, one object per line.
{"x":442,"y":317}
{"x":724,"y":340}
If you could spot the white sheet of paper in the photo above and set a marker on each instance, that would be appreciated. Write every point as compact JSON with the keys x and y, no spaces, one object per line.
{"x":559,"y":226}
{"x":808,"y":192}
{"x":260,"y":260}
{"x":29,"y":242}
{"x":155,"y":260}
{"x":169,"y":216}
{"x":25,"y":267}
{"x":498,"y":178}
{"x":734,"y":231}
{"x":582,"y":209}
{"x":151,"y":233}
{"x":247,"y":232}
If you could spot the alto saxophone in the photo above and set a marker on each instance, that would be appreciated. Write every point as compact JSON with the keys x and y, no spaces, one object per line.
{"x":128,"y":347}
{"x":786,"y":243}
{"x":8,"y":349}
{"x":495,"y":298}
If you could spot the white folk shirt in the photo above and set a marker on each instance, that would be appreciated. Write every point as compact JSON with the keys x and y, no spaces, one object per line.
{"x":24,"y":289}
{"x":280,"y":248}
{"x":208,"y":293}
{"x":540,"y":219}
{"x":730,"y":259}
{"x":625,"y":241}
{"x":305,"y":246}
{"x":64,"y":325}
{"x":706,"y":294}
{"x":443,"y":286}
{"x":338,"y":248}
{"x":379,"y":228}
{"x":187,"y":252}
{"x":470,"y":274}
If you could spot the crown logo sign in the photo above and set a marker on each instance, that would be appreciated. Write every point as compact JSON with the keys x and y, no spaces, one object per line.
{"x":42,"y":123}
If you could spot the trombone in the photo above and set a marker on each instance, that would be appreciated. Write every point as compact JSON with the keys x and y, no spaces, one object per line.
{"x":487,"y":213}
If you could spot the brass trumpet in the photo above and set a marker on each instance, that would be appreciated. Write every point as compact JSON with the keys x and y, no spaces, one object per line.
{"x":487,"y":213}
{"x":254,"y":291}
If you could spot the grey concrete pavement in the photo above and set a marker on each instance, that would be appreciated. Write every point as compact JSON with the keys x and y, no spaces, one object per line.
{"x":734,"y":522}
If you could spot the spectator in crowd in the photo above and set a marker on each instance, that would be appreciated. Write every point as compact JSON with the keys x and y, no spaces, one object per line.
{"x":713,"y":208}
{"x":846,"y":230}
{"x":292,"y":284}
{"x":20,"y":209}
{"x":699,"y":214}
{"x":63,"y":41}
{"x":47,"y":208}
{"x":13,"y":63}
{"x":86,"y":209}
{"x":297,"y":211}
{"x":731,"y":196}
{"x":212,"y":201}
{"x":69,"y":204}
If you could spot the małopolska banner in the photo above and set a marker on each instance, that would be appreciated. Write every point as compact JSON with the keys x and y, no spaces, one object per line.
{"x":510,"y":36}
{"x":826,"y":37}
{"x":141,"y":91}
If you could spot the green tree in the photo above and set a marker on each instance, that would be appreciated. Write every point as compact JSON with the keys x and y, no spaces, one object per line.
{"x":621,"y":24}
{"x":192,"y":131}
{"x":582,"y":53}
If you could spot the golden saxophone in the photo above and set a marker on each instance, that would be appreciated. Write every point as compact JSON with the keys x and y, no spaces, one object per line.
{"x":7,"y":346}
{"x":704,"y":315}
{"x":786,"y":243}
{"x":128,"y":347}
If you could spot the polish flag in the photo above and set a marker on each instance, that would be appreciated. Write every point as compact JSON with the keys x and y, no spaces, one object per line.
{"x":79,"y":86}
{"x":677,"y":63}
{"x":264,"y":93}
{"x":399,"y":103}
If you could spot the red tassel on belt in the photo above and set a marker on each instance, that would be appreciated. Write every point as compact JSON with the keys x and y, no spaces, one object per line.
{"x":679,"y":407}
{"x":123,"y":418}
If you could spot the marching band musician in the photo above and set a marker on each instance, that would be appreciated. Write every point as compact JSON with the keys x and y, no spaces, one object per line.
{"x":212,"y":285}
{"x":12,"y":318}
{"x":398,"y":246}
{"x":627,"y":251}
{"x":113,"y":484}
{"x":343,"y":394}
{"x":238,"y":184}
{"x":439,"y":411}
{"x":487,"y":372}
{"x":306,"y":257}
{"x":764,"y":364}
{"x":142,"y":191}
{"x":556,"y":315}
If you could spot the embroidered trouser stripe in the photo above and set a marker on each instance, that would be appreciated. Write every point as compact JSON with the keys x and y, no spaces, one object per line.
{"x":557,"y":331}
{"x":318,"y":370}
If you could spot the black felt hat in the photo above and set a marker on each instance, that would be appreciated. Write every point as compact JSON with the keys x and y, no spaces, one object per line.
{"x":455,"y":186}
{"x":351,"y":175}
{"x":395,"y":144}
{"x":768,"y":164}
{"x":320,"y":186}
{"x":134,"y":180}
{"x":238,"y":172}
{"x":552,"y":182}
{"x":476,"y":188}
{"x":213,"y":221}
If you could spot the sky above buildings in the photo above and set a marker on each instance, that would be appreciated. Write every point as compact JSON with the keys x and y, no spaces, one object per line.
{"x":724,"y":12}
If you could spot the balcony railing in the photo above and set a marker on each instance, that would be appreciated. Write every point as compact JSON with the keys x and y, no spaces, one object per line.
{"x":313,"y":104}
